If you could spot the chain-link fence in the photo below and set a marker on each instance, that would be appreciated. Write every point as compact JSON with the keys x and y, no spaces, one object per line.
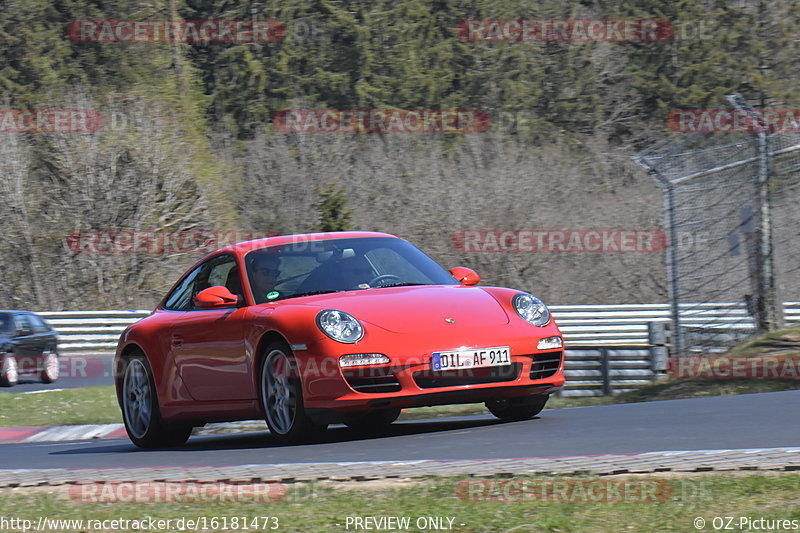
{"x":732,"y":205}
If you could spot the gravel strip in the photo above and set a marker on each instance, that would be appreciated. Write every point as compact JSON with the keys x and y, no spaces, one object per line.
{"x":779,"y":459}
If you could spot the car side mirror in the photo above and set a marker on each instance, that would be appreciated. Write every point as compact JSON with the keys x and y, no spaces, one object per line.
{"x":465,"y":276}
{"x":216,"y":297}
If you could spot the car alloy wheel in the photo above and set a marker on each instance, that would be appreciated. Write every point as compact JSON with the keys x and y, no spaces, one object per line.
{"x":137,"y":398}
{"x":281,"y":395}
{"x":140,"y":408}
{"x":9,"y":373}
{"x":49,"y":366}
{"x":513,"y":409}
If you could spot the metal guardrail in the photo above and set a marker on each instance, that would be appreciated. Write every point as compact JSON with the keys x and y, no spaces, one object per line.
{"x":627,"y":324}
{"x":610,"y":348}
{"x":605,"y":370}
{"x":90,"y":331}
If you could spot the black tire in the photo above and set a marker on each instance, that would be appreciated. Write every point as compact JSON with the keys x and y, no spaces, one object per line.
{"x":517,"y":409}
{"x":140,"y":410}
{"x":9,"y":371}
{"x":281,"y":396}
{"x":374,"y":419}
{"x":50,"y":368}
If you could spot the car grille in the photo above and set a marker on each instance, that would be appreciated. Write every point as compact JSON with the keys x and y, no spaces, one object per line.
{"x":371,"y":380}
{"x":545,"y":365}
{"x":428,"y":379}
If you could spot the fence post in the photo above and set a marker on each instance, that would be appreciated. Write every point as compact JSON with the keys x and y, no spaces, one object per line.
{"x":769,"y":316}
{"x":672,"y":256}
{"x":604,"y":370}
{"x":657,"y":338}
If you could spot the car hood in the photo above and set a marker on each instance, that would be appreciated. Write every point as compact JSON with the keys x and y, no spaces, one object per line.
{"x":416,"y":309}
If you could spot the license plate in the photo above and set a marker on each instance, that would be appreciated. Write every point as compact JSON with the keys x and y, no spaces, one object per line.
{"x":479,"y":358}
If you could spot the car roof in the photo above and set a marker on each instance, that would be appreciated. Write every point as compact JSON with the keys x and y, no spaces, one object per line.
{"x":247,"y":246}
{"x":3,"y":311}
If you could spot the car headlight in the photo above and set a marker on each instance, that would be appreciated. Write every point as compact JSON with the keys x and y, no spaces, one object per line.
{"x":531,"y":309}
{"x":340,"y":326}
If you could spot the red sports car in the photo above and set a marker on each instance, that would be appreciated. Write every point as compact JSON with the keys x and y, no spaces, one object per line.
{"x":347,"y":327}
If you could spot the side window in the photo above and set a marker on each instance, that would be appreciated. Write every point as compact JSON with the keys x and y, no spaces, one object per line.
{"x":38,"y":324}
{"x":219,"y":273}
{"x":212,"y":273}
{"x":181,"y":298}
{"x":24,"y":326}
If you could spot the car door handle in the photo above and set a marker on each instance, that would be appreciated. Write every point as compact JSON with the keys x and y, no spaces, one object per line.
{"x":177,"y":340}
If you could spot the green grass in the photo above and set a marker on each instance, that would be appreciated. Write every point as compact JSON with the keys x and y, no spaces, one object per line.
{"x":91,"y":405}
{"x":320,"y":507}
{"x":783,"y":342}
{"x":671,"y":389}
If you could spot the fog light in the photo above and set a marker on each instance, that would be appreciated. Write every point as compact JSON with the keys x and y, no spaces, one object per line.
{"x":549,"y":343}
{"x":363,"y":359}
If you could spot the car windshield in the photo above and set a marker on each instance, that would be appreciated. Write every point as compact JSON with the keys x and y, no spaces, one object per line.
{"x":6,"y":324}
{"x":317,"y":267}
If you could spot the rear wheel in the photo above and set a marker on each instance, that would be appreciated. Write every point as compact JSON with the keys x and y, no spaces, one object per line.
{"x":9,"y":372}
{"x":49,"y":366}
{"x":140,"y":408}
{"x":281,"y":396}
{"x":517,"y":409}
{"x":374,"y":419}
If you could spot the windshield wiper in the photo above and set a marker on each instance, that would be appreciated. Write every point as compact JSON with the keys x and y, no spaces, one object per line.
{"x":309,"y":293}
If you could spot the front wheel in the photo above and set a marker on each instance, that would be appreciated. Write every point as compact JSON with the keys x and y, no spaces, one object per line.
{"x":49,"y":366}
{"x":9,"y":372}
{"x":513,"y":409}
{"x":281,"y":396}
{"x":140,"y":408}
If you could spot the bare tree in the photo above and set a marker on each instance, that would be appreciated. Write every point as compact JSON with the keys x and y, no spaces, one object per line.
{"x":18,"y":201}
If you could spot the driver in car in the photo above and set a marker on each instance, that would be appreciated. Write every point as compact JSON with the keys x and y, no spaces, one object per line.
{"x":264,"y":276}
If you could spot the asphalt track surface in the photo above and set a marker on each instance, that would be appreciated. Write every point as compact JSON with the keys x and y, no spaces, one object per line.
{"x":725,"y":422}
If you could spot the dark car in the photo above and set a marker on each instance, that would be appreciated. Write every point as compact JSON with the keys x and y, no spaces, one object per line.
{"x":28,"y":345}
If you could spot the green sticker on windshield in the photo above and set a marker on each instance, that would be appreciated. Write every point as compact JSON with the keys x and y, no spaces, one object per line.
{"x":271,"y":295}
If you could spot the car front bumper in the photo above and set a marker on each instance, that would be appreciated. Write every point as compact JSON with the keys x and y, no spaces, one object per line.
{"x":409,"y":380}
